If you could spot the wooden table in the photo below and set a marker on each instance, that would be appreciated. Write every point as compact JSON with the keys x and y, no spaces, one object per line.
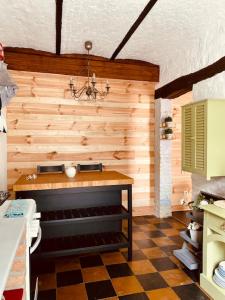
{"x":81,"y":214}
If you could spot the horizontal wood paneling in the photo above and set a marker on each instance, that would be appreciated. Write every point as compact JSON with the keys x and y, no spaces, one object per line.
{"x":47,"y":126}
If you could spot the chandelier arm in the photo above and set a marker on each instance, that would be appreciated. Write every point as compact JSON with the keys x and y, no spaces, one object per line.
{"x":89,"y":92}
{"x":81,"y":91}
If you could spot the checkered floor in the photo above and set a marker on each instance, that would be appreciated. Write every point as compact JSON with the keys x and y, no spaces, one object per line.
{"x":153,"y":274}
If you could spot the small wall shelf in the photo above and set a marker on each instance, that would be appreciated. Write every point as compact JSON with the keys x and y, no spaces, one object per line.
{"x":190,"y":259}
{"x":185,"y":236}
{"x":187,"y":258}
{"x":163,"y":126}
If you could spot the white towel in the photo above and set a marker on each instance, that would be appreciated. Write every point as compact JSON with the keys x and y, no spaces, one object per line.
{"x":3,"y":125}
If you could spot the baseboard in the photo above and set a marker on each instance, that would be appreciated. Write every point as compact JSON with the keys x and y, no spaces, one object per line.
{"x":150,"y":210}
{"x":143,"y":211}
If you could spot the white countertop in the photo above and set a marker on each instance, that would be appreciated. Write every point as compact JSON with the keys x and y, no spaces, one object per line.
{"x":11,"y":231}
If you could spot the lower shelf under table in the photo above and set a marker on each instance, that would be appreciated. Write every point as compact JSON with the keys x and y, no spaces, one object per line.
{"x":78,"y":244}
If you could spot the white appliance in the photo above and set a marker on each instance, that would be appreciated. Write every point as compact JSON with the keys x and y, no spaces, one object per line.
{"x":33,"y":230}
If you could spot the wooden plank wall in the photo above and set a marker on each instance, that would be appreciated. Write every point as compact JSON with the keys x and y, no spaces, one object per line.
{"x":46,"y":126}
{"x":181,"y":180}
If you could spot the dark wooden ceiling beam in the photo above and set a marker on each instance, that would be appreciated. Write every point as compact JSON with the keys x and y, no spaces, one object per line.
{"x":185,"y":83}
{"x":134,"y":27}
{"x":58,"y":24}
{"x":23,"y":59}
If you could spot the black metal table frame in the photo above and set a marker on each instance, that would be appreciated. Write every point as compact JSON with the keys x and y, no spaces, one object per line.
{"x":72,"y":198}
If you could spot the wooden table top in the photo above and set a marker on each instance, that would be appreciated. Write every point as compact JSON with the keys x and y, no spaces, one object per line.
{"x":82,"y":179}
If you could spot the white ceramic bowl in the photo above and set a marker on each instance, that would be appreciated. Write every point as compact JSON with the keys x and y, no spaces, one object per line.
{"x":218,"y":279}
{"x":222,"y":265}
{"x":70,"y":172}
{"x":221,"y":272}
{"x":221,"y":278}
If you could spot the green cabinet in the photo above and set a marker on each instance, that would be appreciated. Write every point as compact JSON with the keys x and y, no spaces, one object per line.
{"x":213,"y":249}
{"x":203,"y":137}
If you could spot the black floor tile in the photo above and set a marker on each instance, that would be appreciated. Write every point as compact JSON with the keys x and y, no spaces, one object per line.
{"x":142,"y":244}
{"x":152,"y":281}
{"x":69,"y":278}
{"x":47,"y":295}
{"x":42,"y":267}
{"x":163,"y":225}
{"x":119,"y":270}
{"x":139,"y":296}
{"x":91,"y":261}
{"x":163,"y":264}
{"x":169,"y":249}
{"x":194,"y":275}
{"x":155,"y":234}
{"x":190,"y":292}
{"x":136,"y":255}
{"x":100,"y":290}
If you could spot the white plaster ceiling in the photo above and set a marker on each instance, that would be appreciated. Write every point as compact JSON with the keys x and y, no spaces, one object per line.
{"x":180,"y":35}
{"x":103,"y":22}
{"x":28,"y":24}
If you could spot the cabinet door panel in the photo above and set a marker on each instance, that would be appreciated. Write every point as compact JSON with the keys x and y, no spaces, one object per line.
{"x":187,"y":138}
{"x":200,"y":133}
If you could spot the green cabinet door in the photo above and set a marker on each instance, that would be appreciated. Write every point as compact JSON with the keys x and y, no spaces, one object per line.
{"x":199,"y":138}
{"x":203,"y":137}
{"x":187,"y":141}
{"x":193,"y":138}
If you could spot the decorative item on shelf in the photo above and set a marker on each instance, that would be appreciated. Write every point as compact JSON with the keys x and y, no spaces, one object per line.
{"x":168,"y":133}
{"x":196,"y":231}
{"x":88,"y":92}
{"x":169,"y":122}
{"x":197,"y":212}
{"x":31,"y":177}
{"x":70,"y":172}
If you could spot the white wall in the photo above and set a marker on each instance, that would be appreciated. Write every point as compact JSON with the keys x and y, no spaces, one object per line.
{"x":190,"y":56}
{"x":163,"y":162}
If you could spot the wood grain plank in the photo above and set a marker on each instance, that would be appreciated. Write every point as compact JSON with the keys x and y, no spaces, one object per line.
{"x":46,"y":126}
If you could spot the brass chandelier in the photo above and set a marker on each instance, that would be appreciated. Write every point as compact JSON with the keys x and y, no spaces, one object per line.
{"x":88,"y":92}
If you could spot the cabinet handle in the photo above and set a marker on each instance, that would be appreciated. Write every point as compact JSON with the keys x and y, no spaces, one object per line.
{"x":222,"y":227}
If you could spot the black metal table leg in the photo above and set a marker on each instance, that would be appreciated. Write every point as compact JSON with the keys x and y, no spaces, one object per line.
{"x":129,"y":196}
